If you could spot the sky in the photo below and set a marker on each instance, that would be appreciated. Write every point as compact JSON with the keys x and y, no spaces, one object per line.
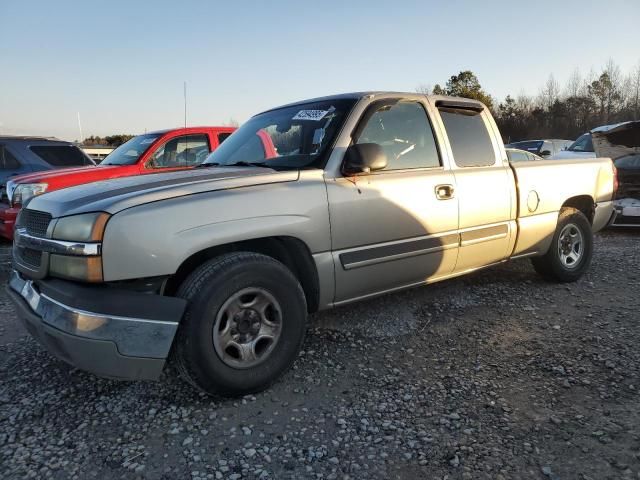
{"x":121,"y":64}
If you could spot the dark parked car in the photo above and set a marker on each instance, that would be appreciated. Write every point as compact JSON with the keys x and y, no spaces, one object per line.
{"x":628,"y":195}
{"x":19,"y":155}
{"x":544,"y":148}
{"x":517,"y":155}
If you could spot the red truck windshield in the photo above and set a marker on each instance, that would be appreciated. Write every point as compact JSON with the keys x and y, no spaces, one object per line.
{"x":130,"y":152}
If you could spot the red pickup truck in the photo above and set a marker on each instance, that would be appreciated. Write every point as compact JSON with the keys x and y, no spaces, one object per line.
{"x":160,"y":151}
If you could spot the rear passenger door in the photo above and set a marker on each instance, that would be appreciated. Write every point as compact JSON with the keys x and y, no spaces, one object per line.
{"x":484,"y":184}
{"x":397,"y":226}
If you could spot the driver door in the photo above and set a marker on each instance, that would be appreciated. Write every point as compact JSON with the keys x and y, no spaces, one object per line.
{"x":177,"y":153}
{"x":394,"y":227}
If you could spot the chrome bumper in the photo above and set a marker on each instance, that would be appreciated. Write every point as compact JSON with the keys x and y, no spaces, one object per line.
{"x":105,"y":344}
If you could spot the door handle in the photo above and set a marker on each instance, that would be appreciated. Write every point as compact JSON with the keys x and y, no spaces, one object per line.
{"x":444,"y":192}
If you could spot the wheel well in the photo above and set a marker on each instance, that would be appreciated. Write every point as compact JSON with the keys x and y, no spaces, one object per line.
{"x":290,"y":251}
{"x":584,"y":203}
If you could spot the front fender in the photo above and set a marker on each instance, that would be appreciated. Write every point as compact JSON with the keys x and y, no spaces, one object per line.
{"x":156,"y":238}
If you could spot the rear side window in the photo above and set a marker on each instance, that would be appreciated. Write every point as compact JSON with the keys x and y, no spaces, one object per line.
{"x":404,"y":132}
{"x":61,"y":155}
{"x":223,"y":136}
{"x":7,"y":160}
{"x":469,"y":138}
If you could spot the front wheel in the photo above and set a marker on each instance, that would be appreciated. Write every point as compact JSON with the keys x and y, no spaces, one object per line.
{"x":571,"y":249}
{"x":244,"y":324}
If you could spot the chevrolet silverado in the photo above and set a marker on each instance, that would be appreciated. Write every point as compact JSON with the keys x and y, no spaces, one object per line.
{"x":218,"y":267}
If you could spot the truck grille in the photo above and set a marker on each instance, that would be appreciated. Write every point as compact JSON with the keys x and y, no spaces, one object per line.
{"x":35,"y":222}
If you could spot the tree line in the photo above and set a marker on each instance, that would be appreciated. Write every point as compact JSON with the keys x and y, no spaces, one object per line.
{"x":109,"y":140}
{"x":557,"y":111}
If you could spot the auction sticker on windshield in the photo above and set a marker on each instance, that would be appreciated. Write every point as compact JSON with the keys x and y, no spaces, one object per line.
{"x":310,"y":115}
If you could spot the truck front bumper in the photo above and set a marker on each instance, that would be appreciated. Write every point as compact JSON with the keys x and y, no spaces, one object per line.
{"x":111,"y":332}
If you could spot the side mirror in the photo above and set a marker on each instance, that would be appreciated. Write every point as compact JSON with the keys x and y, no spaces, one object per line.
{"x":545,"y":153}
{"x":364,"y":158}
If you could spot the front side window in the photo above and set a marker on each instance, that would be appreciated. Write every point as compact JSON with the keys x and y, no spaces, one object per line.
{"x":469,"y":138}
{"x":403,"y":130}
{"x":582,"y":144}
{"x":7,"y":160}
{"x":291,"y":137}
{"x":61,"y":155}
{"x":130,"y":152}
{"x":184,"y":151}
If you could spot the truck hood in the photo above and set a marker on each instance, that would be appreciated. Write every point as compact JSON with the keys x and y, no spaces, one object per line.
{"x":50,"y":176}
{"x":118,"y":194}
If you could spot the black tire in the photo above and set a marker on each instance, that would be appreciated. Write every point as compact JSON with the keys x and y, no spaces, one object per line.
{"x":551,"y":265}
{"x":208,"y":289}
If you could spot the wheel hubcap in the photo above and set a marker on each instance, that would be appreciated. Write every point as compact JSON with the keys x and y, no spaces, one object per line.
{"x":247,"y":328}
{"x":570,"y":246}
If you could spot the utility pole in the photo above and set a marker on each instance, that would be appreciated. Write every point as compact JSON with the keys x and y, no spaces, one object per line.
{"x":185,"y":103}
{"x":80,"y":127}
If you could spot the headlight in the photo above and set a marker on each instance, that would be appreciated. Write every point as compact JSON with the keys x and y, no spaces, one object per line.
{"x":88,"y":227}
{"x":23,"y":192}
{"x":8,"y":190}
{"x":85,"y":228}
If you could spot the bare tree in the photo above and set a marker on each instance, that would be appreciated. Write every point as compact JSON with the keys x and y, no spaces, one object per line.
{"x":549,"y":93}
{"x":584,"y":101}
{"x":574,"y":84}
{"x":524,"y":102}
{"x":607,"y":91}
{"x":633,"y":92}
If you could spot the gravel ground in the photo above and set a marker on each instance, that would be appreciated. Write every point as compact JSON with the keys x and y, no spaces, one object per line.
{"x":495,"y":375}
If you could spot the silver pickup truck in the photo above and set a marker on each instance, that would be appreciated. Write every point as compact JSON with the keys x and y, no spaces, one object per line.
{"x":306,"y":207}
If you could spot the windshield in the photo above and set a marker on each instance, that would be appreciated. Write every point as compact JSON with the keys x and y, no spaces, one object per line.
{"x":287,"y":138}
{"x":129,"y":152}
{"x":582,"y":144}
{"x":62,"y":155}
{"x":630,"y":162}
{"x":532,"y":146}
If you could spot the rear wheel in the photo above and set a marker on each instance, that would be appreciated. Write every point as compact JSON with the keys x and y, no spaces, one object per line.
{"x":571,"y":249}
{"x":244,"y":324}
